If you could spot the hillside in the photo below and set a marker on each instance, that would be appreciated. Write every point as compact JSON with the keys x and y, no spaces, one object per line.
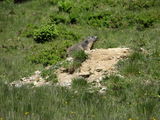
{"x":35,"y":34}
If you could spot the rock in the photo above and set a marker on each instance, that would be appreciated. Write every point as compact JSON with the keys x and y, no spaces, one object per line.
{"x":103,"y":90}
{"x":85,"y":74}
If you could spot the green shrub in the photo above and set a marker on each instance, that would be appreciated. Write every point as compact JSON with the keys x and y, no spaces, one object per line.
{"x":65,"y":5}
{"x":74,"y":17}
{"x":29,"y":31}
{"x":144,"y":20}
{"x":109,"y":20}
{"x":138,"y":4}
{"x":54,"y":2}
{"x":99,"y":19}
{"x":46,"y":58}
{"x":51,"y":55}
{"x":87,"y":5}
{"x":45,"y":33}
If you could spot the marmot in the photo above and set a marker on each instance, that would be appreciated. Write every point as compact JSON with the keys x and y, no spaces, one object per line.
{"x":84,"y":45}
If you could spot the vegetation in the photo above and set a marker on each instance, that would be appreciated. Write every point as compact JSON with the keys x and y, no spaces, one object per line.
{"x":79,"y":83}
{"x":45,"y":33}
{"x":49,"y":75}
{"x":78,"y":57}
{"x":36,"y":33}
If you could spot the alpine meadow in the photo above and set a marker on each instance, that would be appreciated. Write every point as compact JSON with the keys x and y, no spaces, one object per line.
{"x":35,"y":34}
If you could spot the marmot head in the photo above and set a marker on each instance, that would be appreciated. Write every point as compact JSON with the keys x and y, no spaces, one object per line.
{"x":92,"y":38}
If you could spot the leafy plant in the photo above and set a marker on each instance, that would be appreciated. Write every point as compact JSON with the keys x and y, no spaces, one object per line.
{"x":74,"y":18}
{"x":65,"y":5}
{"x":29,"y":30}
{"x":144,"y":21}
{"x":45,"y":33}
{"x":139,"y":4}
{"x":109,"y":20}
{"x":51,"y":55}
{"x":47,"y":57}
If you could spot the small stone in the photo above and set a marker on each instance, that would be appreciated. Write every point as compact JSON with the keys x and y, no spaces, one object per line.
{"x":70,"y":59}
{"x":37,"y":72}
{"x":85,"y":74}
{"x":98,"y":70}
{"x":103,"y":90}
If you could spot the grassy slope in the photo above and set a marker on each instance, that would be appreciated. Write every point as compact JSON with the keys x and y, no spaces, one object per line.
{"x":136,"y":96}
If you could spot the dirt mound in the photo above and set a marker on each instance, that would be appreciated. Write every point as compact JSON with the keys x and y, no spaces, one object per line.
{"x":99,"y":63}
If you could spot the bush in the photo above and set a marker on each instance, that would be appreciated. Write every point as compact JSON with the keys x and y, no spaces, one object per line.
{"x":45,"y":33}
{"x":74,"y":18}
{"x":29,"y":30}
{"x":51,"y":55}
{"x":144,"y":21}
{"x":138,"y":4}
{"x":109,"y":20}
{"x":53,"y":2}
{"x":65,"y":5}
{"x":47,"y":57}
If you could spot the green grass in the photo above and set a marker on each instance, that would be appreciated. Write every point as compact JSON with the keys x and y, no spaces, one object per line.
{"x":117,"y":23}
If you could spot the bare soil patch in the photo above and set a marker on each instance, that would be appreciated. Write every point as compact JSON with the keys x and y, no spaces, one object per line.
{"x":100,"y":62}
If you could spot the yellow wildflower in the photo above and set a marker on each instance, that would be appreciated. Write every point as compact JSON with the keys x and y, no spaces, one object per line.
{"x":153,"y":118}
{"x":73,"y":112}
{"x":130,"y":119}
{"x":66,"y":102}
{"x":26,"y":113}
